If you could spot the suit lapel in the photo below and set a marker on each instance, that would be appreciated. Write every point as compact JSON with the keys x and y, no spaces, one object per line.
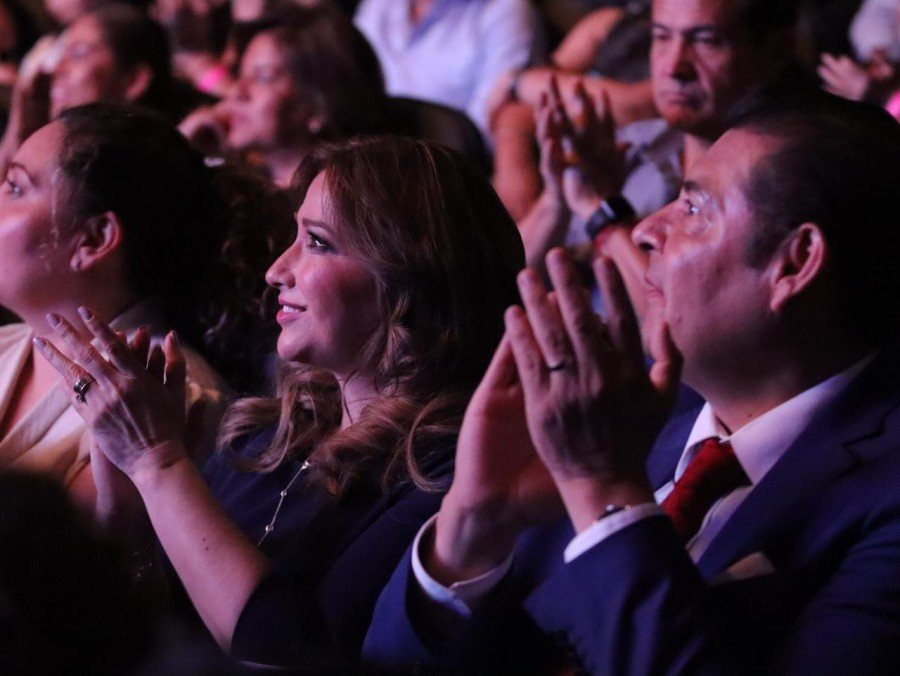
{"x":843,"y":435}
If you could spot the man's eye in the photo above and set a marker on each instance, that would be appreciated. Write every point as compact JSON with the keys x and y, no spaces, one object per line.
{"x":709,"y":40}
{"x":12,"y":188}
{"x":691,"y":208}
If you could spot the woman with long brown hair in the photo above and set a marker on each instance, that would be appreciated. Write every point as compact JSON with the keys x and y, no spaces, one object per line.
{"x":391,"y":306}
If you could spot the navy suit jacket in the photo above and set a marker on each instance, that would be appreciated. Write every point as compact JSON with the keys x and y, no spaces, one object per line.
{"x":827,"y":517}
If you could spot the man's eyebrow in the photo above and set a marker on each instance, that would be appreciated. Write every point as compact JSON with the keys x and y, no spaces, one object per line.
{"x":691,"y":30}
{"x":704,"y":28}
{"x":692,"y":186}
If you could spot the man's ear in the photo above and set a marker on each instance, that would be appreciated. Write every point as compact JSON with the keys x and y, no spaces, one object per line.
{"x":800,"y":261}
{"x":315,"y":124}
{"x":98,"y":238}
{"x":138,"y":83}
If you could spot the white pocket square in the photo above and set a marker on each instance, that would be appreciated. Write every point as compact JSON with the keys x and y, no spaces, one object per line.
{"x":752,"y":565}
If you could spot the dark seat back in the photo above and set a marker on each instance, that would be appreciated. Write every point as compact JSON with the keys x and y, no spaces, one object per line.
{"x":434,"y":122}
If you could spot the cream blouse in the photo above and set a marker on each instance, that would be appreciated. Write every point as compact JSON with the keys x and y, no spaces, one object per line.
{"x":51,"y":437}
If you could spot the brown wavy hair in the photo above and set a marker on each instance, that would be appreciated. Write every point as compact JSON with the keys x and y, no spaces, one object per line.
{"x":334,"y":68}
{"x":238,"y":320}
{"x":444,"y":253}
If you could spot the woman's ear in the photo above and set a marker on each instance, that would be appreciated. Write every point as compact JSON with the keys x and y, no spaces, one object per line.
{"x":99,"y":238}
{"x":799,"y":262}
{"x":139,"y":80}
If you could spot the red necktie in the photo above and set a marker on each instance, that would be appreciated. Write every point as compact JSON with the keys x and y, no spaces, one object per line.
{"x":713,"y":473}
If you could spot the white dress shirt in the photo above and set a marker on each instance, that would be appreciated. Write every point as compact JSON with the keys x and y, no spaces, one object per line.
{"x":758,"y":445}
{"x":455,"y":54}
{"x":876,"y":26}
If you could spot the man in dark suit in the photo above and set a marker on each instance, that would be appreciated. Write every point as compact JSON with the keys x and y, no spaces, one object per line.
{"x":763,"y":531}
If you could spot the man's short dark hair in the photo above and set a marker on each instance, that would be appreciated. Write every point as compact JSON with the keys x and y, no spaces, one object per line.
{"x":837,"y":164}
{"x":762,"y":17}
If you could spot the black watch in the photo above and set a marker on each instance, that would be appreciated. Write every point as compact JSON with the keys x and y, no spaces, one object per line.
{"x":616,"y":209}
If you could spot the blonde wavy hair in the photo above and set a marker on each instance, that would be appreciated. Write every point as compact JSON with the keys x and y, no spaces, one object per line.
{"x":444,"y":253}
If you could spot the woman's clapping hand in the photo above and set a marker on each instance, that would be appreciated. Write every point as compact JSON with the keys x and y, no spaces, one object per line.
{"x":134,"y":404}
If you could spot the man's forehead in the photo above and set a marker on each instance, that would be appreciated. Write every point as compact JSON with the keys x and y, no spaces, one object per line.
{"x":730,"y":162}
{"x":695,"y":14}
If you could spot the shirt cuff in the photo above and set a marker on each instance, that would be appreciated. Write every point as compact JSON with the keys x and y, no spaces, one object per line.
{"x":461,"y":597}
{"x":598,"y":531}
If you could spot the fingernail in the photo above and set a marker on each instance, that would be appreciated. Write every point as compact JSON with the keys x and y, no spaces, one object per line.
{"x":513,"y":313}
{"x":174,"y":337}
{"x":39,"y":343}
{"x":85,"y":314}
{"x":52,"y":319}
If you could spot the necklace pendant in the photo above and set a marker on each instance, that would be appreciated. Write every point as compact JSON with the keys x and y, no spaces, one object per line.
{"x":271,"y":525}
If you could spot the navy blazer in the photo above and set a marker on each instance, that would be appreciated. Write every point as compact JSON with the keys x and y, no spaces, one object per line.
{"x":826,"y":516}
{"x":330,"y":558}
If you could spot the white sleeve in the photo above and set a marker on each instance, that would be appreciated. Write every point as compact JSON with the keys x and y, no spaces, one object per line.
{"x":603,"y":528}
{"x":509,"y":36}
{"x":874,"y":27}
{"x":460,"y":597}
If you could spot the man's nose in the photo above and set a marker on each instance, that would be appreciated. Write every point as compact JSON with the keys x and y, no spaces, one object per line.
{"x":650,"y":234}
{"x":681,"y":64}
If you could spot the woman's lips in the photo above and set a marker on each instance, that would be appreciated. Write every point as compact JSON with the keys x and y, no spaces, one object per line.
{"x":289,"y":312}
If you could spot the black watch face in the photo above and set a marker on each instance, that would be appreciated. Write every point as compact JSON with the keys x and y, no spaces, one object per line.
{"x":621,"y":207}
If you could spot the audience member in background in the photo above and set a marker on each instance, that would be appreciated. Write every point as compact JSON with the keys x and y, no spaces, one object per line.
{"x":19,"y":29}
{"x":391,"y":306}
{"x":65,"y":607}
{"x":449,"y":51}
{"x":94,"y":206}
{"x":762,"y":532}
{"x":198,"y":32}
{"x":875,"y":31}
{"x":705,"y":56}
{"x":306,"y":75}
{"x":608,"y":53}
{"x":115,"y":54}
{"x":874,"y":77}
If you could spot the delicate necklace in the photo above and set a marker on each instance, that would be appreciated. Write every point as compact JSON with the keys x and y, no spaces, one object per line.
{"x":271,"y":525}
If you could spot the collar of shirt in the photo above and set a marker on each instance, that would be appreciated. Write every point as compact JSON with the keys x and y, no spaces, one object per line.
{"x":400,"y":17}
{"x":760,"y":443}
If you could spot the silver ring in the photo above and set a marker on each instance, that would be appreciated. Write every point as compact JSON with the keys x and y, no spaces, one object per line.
{"x":558,"y":366}
{"x":81,"y":386}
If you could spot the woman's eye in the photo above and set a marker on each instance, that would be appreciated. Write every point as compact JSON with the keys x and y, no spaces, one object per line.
{"x":12,"y":188}
{"x":265,"y":76}
{"x":78,"y":51}
{"x":313,"y":241}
